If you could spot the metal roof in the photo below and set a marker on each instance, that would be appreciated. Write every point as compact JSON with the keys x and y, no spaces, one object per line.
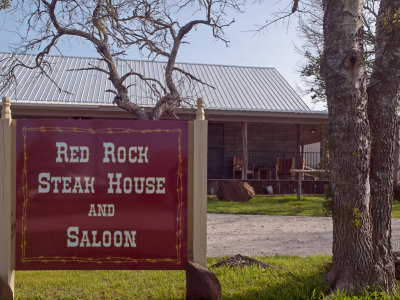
{"x":236,"y":87}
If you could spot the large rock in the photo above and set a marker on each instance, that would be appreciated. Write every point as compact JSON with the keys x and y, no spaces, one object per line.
{"x":5,"y":291}
{"x":238,"y":191}
{"x":201,"y":284}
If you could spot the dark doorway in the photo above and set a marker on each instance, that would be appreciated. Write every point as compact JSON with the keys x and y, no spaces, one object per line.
{"x":215,"y":151}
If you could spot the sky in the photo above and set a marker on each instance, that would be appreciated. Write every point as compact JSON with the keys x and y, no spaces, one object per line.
{"x":273,"y":47}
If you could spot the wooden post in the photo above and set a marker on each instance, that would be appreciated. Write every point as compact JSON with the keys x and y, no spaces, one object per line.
{"x":298,"y":164}
{"x":396,"y":165}
{"x":298,"y":144}
{"x":7,"y":194}
{"x":200,"y":186}
{"x":299,"y":175}
{"x":244,"y":150}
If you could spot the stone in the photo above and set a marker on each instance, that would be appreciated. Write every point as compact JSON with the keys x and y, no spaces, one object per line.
{"x":234,"y":190}
{"x":5,"y":291}
{"x":239,"y":260}
{"x":201,"y":284}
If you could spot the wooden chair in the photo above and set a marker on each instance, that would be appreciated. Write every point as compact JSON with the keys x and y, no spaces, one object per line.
{"x":283,"y":166}
{"x":238,"y":167}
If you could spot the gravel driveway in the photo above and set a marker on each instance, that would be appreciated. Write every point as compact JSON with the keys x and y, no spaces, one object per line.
{"x":270,"y":235}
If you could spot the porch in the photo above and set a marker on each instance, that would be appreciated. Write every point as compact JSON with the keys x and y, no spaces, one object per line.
{"x":259,"y":147}
{"x":315,"y":187}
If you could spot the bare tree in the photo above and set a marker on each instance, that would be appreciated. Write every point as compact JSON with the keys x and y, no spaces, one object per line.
{"x":5,"y":4}
{"x":114,"y":26}
{"x":310,"y":30}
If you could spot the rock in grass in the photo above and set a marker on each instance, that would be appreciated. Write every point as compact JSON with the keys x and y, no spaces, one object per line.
{"x":234,"y":190}
{"x":241,"y":261}
{"x":201,"y":284}
{"x":5,"y":291}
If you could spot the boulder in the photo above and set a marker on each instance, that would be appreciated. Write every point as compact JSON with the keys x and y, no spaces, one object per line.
{"x":5,"y":291}
{"x":201,"y":284}
{"x":234,"y":190}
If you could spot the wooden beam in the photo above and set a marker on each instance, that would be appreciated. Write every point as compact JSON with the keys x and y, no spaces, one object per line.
{"x":7,"y":213}
{"x":396,"y":157}
{"x":199,"y":213}
{"x":244,"y":150}
{"x":298,"y":144}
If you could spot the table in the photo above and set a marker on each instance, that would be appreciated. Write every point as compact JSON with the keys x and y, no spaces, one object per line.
{"x":267,"y":170}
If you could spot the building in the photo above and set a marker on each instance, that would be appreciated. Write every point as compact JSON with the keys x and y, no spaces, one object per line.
{"x":253,"y":113}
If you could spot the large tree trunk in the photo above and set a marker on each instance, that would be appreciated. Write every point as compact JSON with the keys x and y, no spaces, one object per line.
{"x":383,"y":93}
{"x":352,"y":263}
{"x":362,"y":144}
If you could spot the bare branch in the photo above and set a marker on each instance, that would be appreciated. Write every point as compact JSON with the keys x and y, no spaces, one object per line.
{"x":192,"y":77}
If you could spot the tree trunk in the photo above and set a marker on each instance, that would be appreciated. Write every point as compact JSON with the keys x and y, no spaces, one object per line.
{"x":352,"y":263}
{"x":362,"y":144}
{"x":383,"y":94}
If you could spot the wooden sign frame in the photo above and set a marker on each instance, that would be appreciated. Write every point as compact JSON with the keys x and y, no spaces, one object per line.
{"x":196,"y":204}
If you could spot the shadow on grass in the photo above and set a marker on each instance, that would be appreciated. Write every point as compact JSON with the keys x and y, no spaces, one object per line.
{"x":293,"y":287}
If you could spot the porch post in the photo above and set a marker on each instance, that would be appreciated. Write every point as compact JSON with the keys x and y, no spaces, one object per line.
{"x":244,"y":150}
{"x":298,"y":144}
{"x":396,"y":157}
{"x":7,"y":210}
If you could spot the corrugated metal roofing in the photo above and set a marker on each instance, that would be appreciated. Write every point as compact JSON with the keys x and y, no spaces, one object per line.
{"x":236,"y":87}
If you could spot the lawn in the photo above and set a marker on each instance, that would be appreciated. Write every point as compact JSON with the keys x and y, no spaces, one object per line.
{"x":289,"y":278}
{"x":283,"y":205}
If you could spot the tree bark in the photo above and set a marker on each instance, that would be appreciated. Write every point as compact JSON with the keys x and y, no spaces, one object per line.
{"x":352,"y":263}
{"x":383,"y":94}
{"x":362,"y":144}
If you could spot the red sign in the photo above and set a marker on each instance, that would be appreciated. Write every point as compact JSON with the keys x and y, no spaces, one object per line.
{"x":101,"y":194}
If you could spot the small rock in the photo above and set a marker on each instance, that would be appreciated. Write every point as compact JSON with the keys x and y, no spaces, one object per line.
{"x":5,"y":291}
{"x":201,"y":284}
{"x":234,"y":190}
{"x":241,"y":261}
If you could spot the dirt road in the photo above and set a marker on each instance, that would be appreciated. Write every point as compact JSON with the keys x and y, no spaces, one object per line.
{"x":270,"y":235}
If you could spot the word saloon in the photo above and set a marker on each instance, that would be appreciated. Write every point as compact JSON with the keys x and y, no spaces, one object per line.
{"x":101,"y":194}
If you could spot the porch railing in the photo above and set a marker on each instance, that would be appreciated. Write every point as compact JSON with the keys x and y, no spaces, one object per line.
{"x":220,"y":162}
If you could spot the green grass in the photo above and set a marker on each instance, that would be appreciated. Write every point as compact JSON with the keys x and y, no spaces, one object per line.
{"x":283,"y":205}
{"x":396,"y":209}
{"x":290,"y":278}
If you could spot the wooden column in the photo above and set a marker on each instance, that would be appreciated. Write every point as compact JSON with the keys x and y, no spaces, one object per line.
{"x":396,"y":157}
{"x":200,"y":186}
{"x":244,"y":150}
{"x":298,"y":164}
{"x":298,"y":144}
{"x":7,"y":194}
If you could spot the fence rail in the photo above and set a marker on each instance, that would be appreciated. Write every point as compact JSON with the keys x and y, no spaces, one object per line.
{"x":220,"y":161}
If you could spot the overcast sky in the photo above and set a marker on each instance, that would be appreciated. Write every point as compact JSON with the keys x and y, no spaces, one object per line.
{"x":273,"y":47}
